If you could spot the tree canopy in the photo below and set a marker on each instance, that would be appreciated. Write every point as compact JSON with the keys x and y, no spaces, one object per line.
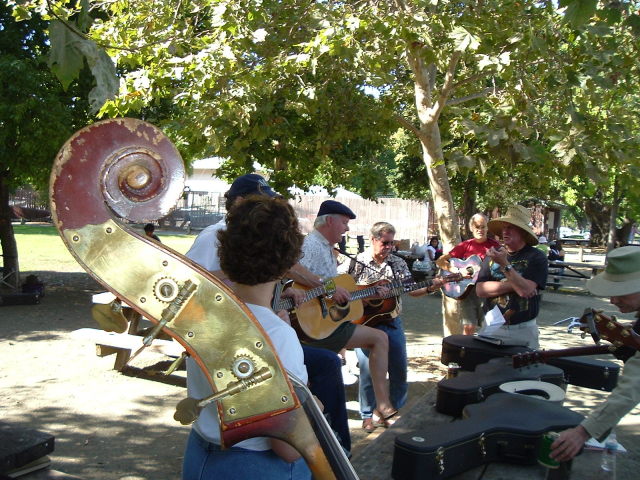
{"x":487,"y":93}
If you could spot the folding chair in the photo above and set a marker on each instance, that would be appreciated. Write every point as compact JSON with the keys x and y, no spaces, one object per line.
{"x":5,"y":274}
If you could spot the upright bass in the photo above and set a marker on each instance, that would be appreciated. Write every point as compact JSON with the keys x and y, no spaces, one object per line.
{"x":128,"y":169}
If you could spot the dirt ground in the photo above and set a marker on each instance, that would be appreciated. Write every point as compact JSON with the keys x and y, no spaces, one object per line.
{"x":110,"y":425}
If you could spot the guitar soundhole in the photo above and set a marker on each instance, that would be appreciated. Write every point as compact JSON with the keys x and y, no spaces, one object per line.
{"x":338,"y":312}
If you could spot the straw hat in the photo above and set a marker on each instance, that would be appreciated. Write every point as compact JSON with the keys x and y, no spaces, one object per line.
{"x":621,"y":276}
{"x":520,"y":217}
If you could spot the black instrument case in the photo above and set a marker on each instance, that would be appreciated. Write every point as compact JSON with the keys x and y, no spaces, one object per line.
{"x":505,"y":428}
{"x":454,"y":394}
{"x":582,"y":371}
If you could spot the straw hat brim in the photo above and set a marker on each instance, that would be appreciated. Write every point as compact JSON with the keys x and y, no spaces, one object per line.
{"x":607,"y":285}
{"x":496,"y":225}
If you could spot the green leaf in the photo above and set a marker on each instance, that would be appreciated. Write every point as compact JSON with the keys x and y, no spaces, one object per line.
{"x":20,"y":13}
{"x":580,"y":12}
{"x":633,"y":21}
{"x":495,"y":136}
{"x":64,"y":60}
{"x":464,"y":40}
{"x":103,"y":70}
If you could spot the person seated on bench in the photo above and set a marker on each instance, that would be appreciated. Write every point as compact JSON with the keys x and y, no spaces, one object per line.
{"x":556,"y":254}
{"x":260,"y":243}
{"x":621,"y":282}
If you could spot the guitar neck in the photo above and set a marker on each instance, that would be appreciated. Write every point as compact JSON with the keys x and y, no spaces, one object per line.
{"x":289,"y":304}
{"x":527,"y":358}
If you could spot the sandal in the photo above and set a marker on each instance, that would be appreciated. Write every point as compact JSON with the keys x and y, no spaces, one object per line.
{"x":381,"y":421}
{"x":367,"y":425}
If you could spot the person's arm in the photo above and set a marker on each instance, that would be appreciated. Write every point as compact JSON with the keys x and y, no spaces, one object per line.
{"x":514,"y":282}
{"x":303,"y":276}
{"x":443,"y":262}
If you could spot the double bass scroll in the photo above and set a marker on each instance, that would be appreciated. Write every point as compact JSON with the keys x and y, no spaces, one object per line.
{"x":127,"y":168}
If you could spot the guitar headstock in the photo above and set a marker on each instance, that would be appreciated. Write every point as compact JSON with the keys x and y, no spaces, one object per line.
{"x":524,"y":359}
{"x":606,"y":327}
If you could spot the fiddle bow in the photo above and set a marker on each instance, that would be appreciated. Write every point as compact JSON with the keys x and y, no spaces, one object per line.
{"x":127,"y":168}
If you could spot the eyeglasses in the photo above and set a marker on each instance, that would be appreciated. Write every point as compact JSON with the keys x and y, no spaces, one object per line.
{"x":387,"y":242}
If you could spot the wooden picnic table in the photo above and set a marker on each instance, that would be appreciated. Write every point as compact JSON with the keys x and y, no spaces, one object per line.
{"x":123,"y":345}
{"x":573,"y":268}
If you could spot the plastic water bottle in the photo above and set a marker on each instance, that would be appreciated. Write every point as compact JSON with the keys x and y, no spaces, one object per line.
{"x":608,"y":462}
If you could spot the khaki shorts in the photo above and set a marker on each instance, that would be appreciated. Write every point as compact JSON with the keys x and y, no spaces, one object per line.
{"x":471,"y":309}
{"x":337,"y":340}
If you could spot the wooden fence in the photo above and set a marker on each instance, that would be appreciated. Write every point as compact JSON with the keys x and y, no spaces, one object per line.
{"x":410,"y":218}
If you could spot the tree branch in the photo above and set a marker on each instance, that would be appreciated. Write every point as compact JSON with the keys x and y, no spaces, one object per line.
{"x":472,"y":78}
{"x":448,"y":86}
{"x":407,"y":124}
{"x":473,"y":96}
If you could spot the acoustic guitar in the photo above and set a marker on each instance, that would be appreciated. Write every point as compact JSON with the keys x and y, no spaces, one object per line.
{"x":469,"y":267}
{"x":600,"y":326}
{"x":319,"y":316}
{"x":127,"y":168}
{"x":375,"y":308}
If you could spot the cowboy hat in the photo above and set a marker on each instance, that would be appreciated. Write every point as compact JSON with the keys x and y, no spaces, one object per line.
{"x":518,"y":216}
{"x":621,"y":276}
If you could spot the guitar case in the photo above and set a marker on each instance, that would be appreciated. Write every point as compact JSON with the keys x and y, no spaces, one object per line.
{"x":19,"y":299}
{"x":582,"y":371}
{"x":20,"y":446}
{"x":453,"y":394}
{"x":588,"y":372}
{"x":469,"y":352}
{"x":505,"y":428}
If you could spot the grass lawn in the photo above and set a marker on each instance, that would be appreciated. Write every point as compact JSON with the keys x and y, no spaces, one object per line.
{"x":41,"y":248}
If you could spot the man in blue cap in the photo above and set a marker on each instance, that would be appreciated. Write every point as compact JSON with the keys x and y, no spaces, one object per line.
{"x":324,"y":367}
{"x":201,"y":251}
{"x":331,"y":223}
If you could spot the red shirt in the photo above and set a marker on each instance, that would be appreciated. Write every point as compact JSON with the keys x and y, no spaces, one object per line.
{"x":471,"y":247}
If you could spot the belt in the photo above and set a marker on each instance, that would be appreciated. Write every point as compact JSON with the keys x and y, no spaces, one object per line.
{"x":526,"y":323}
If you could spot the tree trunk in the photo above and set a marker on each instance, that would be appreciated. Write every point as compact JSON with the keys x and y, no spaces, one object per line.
{"x":613,"y":214}
{"x":598,"y":214}
{"x":10,"y":271}
{"x":429,"y":108}
{"x":623,"y":233}
{"x":468,"y":206}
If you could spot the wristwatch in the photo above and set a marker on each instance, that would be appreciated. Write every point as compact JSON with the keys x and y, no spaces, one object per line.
{"x":507,"y":268}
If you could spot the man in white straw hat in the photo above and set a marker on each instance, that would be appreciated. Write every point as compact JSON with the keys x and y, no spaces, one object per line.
{"x":511,"y":277}
{"x":620,"y":281}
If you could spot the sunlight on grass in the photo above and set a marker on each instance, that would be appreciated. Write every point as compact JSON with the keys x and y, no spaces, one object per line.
{"x":41,"y":248}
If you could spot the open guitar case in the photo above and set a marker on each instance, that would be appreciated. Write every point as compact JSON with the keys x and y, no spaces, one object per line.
{"x":582,"y":371}
{"x":453,"y":394}
{"x":505,"y":428}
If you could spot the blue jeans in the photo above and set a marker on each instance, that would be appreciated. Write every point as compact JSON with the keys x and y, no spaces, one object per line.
{"x":207,"y":461}
{"x":398,"y":386}
{"x":325,"y":382}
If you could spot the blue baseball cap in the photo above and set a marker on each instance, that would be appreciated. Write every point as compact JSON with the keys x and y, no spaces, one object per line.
{"x":250,"y":184}
{"x":331,"y":206}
